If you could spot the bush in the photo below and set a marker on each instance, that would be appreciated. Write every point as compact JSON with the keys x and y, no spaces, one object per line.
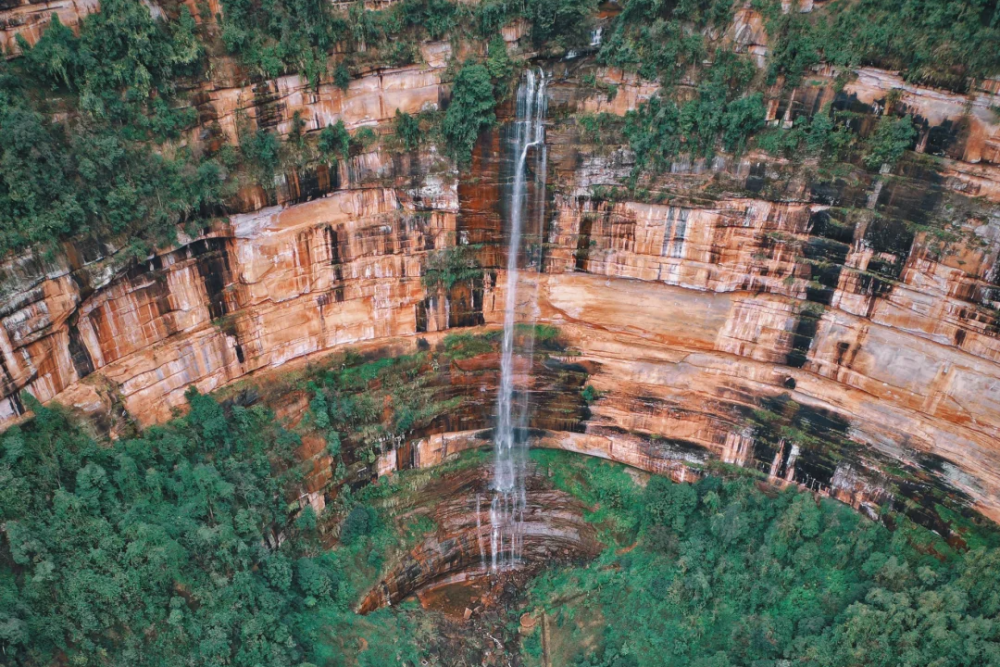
{"x":652,"y":37}
{"x":437,"y":17}
{"x":589,"y":394}
{"x":669,"y":504}
{"x":742,"y":118}
{"x":564,"y":23}
{"x":500,"y":65}
{"x":891,"y":138}
{"x":361,"y":521}
{"x":444,"y":268}
{"x":465,"y":346}
{"x":936,"y":42}
{"x":261,"y":151}
{"x":364,"y":139}
{"x":334,"y":141}
{"x":120,"y":48}
{"x":342,"y":76}
{"x":407,"y":129}
{"x":278,"y":35}
{"x":470,"y":111}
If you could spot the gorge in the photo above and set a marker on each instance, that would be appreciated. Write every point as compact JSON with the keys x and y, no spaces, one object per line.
{"x":446,"y":260}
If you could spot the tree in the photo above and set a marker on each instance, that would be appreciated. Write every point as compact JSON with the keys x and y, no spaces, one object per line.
{"x":407,"y":129}
{"x":499,"y":63}
{"x":564,"y":22}
{"x":261,"y":149}
{"x":334,"y":141}
{"x":669,"y":504}
{"x":742,"y":118}
{"x":891,"y":138}
{"x":342,"y":76}
{"x":470,"y":110}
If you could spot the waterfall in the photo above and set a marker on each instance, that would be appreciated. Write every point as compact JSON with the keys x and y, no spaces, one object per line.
{"x":509,"y":499}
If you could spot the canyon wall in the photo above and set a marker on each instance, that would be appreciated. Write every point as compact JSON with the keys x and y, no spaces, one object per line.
{"x":835,"y":328}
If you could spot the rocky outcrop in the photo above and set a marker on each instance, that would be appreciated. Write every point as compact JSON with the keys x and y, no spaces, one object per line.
{"x":553,"y":530}
{"x":29,"y":19}
{"x":835,"y":328}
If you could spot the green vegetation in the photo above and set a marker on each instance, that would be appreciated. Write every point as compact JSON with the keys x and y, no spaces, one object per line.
{"x":560,"y":23}
{"x":454,"y":264}
{"x":93,"y":146}
{"x":601,"y":129}
{"x":500,"y":66}
{"x":723,"y":572}
{"x":652,"y":37}
{"x":935,"y":42}
{"x":822,"y":134}
{"x":407,"y":129}
{"x":120,"y":65}
{"x":96,"y":130}
{"x":94,"y":174}
{"x":261,"y":149}
{"x":470,"y":111}
{"x":891,"y":138}
{"x":369,"y":403}
{"x":334,"y":141}
{"x":272,"y":36}
{"x":722,"y":111}
{"x":177,"y":546}
{"x":465,"y":346}
{"x":364,"y":139}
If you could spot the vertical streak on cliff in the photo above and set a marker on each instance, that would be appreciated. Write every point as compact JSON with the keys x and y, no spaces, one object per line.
{"x":507,"y":507}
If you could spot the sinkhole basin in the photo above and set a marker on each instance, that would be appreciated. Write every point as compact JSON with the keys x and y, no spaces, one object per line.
{"x":461,"y":608}
{"x":626,"y":569}
{"x":458,"y":564}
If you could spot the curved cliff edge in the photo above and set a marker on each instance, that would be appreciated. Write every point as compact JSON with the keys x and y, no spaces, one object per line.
{"x":835,"y":331}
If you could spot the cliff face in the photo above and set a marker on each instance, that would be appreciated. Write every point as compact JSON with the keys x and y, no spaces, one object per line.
{"x":836,"y":329}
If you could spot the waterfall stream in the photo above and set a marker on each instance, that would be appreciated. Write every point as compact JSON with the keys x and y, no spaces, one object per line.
{"x":520,"y":303}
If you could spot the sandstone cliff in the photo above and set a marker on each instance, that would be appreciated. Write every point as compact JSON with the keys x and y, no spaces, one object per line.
{"x":836,"y":329}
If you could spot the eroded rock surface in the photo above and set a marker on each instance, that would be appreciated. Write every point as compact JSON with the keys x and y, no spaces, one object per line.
{"x":740,"y":302}
{"x":460,"y":549}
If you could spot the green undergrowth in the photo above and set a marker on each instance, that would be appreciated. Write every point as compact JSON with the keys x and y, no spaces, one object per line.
{"x":727,"y":572}
{"x":607,"y":489}
{"x":712,"y":99}
{"x":934,"y":42}
{"x":365,"y":406}
{"x":452,"y":265}
{"x":461,"y":346}
{"x":372,"y":404}
{"x":180,"y":545}
{"x":96,"y":120}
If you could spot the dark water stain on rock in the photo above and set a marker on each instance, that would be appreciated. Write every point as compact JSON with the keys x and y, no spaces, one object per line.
{"x":554,"y":531}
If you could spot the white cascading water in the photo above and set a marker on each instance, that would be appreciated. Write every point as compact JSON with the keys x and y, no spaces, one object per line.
{"x":509,"y":498}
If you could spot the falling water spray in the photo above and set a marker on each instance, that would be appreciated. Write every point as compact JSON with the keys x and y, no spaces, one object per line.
{"x":520,"y":302}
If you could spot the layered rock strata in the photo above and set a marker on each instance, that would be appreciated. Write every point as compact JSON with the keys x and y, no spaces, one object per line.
{"x":460,"y":547}
{"x":834,"y":327}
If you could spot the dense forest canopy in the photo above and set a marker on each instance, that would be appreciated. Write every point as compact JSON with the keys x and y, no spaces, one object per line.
{"x":98,"y":141}
{"x":177,"y":547}
{"x":726,"y":573}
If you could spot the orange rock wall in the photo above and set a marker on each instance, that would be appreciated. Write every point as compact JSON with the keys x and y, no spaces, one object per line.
{"x":753,"y":278}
